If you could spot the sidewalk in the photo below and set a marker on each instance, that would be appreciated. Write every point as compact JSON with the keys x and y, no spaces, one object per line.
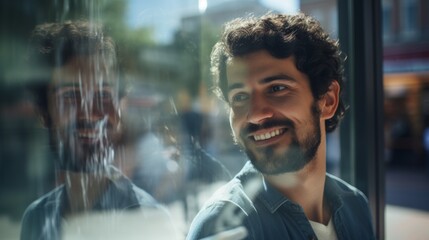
{"x":406,"y":223}
{"x":407,"y":203}
{"x":406,"y":213}
{"x":401,"y":223}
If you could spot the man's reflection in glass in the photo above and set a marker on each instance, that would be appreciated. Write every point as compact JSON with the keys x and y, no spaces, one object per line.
{"x":80,"y":107}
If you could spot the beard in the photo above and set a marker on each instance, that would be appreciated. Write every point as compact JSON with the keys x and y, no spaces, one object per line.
{"x":86,"y":158}
{"x":82,"y":156}
{"x":271,"y":160}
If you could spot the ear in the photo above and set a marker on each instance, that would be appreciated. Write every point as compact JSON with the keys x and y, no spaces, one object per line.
{"x":329,"y":101}
{"x":123,"y":104}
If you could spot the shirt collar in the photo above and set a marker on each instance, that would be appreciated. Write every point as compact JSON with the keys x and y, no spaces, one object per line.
{"x":333,"y":192}
{"x":119,"y":193}
{"x":267,"y":194}
{"x":273,"y":199}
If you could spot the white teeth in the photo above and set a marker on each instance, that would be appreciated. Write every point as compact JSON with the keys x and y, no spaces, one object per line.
{"x":267,"y":135}
{"x":88,"y":135}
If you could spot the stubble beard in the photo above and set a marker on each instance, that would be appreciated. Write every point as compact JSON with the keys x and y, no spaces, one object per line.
{"x":75,"y":156}
{"x":89,"y":159}
{"x":296,"y":156}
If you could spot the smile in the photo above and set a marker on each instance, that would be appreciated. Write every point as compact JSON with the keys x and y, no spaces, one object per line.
{"x":268,"y":135}
{"x":88,"y":135}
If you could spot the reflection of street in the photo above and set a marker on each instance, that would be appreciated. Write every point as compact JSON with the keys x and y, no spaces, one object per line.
{"x":123,"y":223}
{"x":408,"y":188}
{"x":406,"y":223}
{"x":405,"y":187}
{"x":407,"y":199}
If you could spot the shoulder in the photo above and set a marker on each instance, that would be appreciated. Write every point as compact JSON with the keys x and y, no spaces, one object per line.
{"x":239,"y":192}
{"x":143,"y":198}
{"x":228,"y":208}
{"x":354,"y":203}
{"x":49,"y":201}
{"x":123,"y":190}
{"x":341,"y":188}
{"x":46,"y":207}
{"x":352,"y":210}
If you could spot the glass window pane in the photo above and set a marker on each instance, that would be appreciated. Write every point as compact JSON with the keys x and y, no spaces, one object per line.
{"x":406,"y":58}
{"x":131,"y":95}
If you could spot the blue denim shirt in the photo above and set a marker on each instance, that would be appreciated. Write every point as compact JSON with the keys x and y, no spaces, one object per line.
{"x":250,"y":202}
{"x":42,"y":220}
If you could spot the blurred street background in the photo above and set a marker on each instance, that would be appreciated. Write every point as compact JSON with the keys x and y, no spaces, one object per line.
{"x":179,"y":147}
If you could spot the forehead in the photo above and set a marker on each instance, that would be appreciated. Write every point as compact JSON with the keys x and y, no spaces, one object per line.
{"x":260,"y":65}
{"x":84,"y":71}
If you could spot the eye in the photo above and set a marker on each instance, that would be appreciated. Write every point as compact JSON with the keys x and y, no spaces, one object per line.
{"x":277,"y":88}
{"x":104,"y":95}
{"x":69,"y":95}
{"x":238,"y":98}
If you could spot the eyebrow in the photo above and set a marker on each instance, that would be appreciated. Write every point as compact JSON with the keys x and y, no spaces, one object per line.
{"x":277,"y":77}
{"x":235,"y":86}
{"x":263,"y":81}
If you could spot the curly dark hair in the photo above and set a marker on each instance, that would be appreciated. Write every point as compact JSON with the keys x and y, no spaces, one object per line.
{"x":56,"y":43}
{"x":301,"y":36}
{"x":52,"y":45}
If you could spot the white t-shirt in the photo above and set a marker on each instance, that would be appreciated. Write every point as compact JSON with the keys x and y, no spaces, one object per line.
{"x":324,"y":232}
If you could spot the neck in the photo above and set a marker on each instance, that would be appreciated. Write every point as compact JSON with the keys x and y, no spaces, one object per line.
{"x":306,"y":187}
{"x":83,"y":190}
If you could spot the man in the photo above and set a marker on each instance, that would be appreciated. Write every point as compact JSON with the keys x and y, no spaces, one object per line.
{"x":282,"y":77}
{"x":80,"y":107}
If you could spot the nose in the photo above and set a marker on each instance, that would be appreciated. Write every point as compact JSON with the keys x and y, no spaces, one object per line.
{"x":259,"y":110}
{"x":92,"y":107}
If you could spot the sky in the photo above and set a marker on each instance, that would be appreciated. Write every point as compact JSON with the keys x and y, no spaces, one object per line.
{"x":164,"y":15}
{"x":286,"y":6}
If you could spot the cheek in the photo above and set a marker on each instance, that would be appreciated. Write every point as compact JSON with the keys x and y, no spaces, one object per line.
{"x":114,"y":116}
{"x":235,"y":122}
{"x":287,"y":103}
{"x":297,"y":110}
{"x":60,"y":116}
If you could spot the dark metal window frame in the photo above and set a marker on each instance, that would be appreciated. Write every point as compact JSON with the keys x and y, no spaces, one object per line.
{"x":362,"y":143}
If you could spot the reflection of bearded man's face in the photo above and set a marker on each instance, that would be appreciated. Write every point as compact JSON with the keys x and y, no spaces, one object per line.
{"x":84,"y":114}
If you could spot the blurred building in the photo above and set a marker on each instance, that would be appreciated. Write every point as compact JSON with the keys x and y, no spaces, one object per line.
{"x":406,"y":78}
{"x":406,"y":72}
{"x":196,"y":36}
{"x":325,"y":11}
{"x":218,"y":14}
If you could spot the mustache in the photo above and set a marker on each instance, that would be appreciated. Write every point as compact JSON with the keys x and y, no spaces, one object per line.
{"x":91,"y":124}
{"x":250,"y":127}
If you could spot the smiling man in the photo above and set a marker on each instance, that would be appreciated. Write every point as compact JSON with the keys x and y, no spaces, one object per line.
{"x":282,"y":77}
{"x":79,"y":105}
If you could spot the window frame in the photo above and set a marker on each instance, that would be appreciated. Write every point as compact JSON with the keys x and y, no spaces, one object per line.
{"x":362,"y":143}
